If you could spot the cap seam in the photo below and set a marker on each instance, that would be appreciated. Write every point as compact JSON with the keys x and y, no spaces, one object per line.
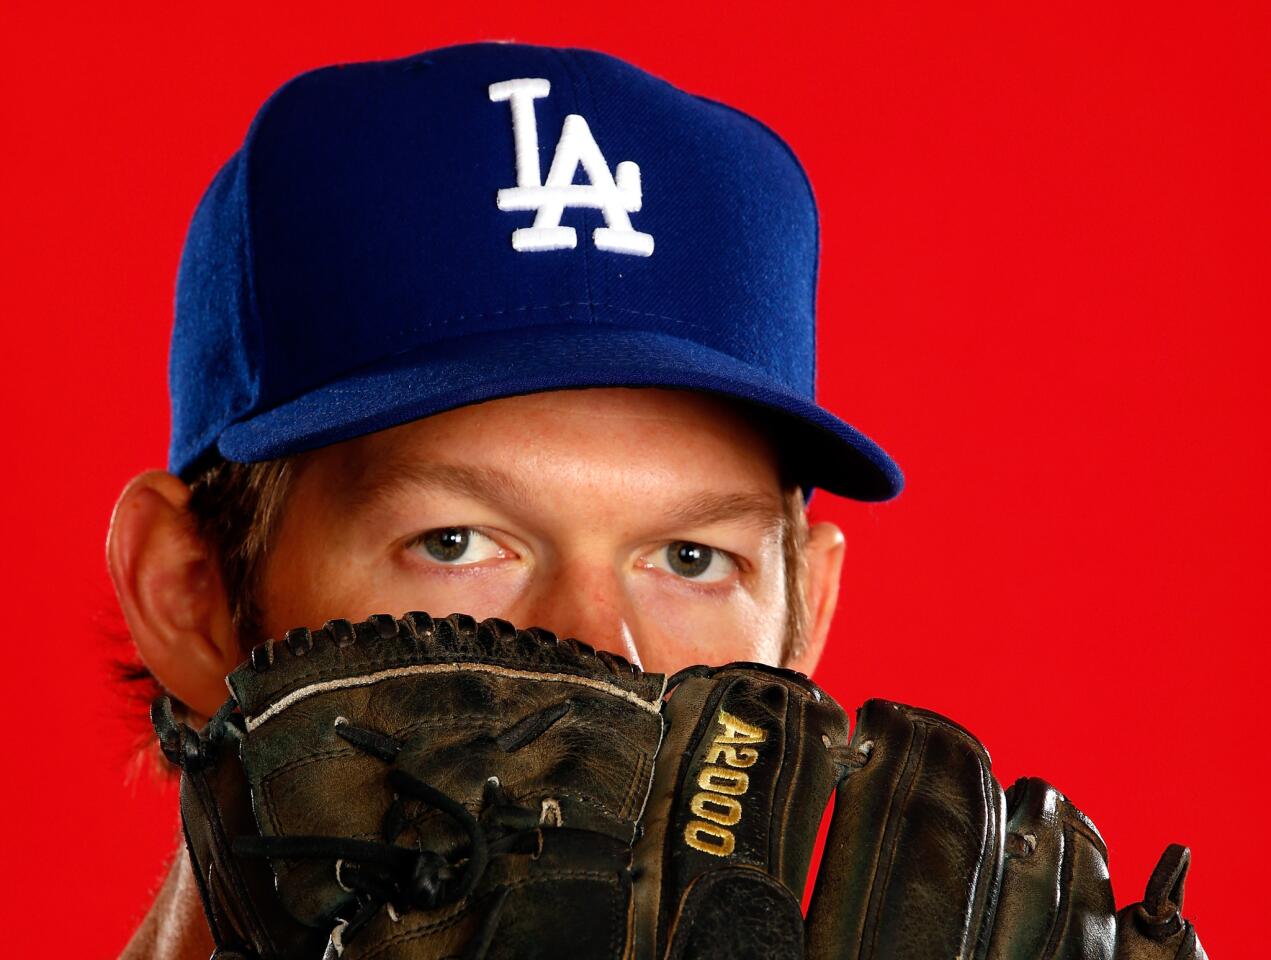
{"x":816,"y":213}
{"x":584,"y":246}
{"x":578,"y":61}
{"x":256,"y":328}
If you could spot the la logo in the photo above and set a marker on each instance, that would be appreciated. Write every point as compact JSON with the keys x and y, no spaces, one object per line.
{"x":615,"y":195}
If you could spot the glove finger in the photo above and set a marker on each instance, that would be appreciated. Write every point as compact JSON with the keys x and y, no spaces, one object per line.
{"x":742,"y":779}
{"x":1154,"y":928}
{"x":238,"y":895}
{"x":914,"y":851}
{"x":1056,"y":898}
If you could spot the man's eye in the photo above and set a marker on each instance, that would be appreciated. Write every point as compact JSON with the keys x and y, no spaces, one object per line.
{"x":694,"y":561}
{"x":457,"y":545}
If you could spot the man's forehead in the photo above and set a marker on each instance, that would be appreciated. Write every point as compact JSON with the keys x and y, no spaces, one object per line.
{"x":685,"y":455}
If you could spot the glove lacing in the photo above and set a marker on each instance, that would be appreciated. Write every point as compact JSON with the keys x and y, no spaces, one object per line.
{"x":383,"y":875}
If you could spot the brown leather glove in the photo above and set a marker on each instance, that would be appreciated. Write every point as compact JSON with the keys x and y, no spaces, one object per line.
{"x":1154,"y":928}
{"x":420,"y":788}
{"x":423,"y":788}
{"x":926,"y":858}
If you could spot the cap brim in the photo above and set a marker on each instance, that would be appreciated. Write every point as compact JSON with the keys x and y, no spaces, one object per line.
{"x":827,"y":453}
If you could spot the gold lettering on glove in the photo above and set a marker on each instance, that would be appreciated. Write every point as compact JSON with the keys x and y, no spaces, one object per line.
{"x":722,"y":781}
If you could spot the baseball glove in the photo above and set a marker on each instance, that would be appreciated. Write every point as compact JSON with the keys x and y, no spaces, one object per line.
{"x":926,"y":856}
{"x":423,"y":788}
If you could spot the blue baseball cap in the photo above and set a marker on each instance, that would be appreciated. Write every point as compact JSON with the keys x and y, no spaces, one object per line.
{"x":399,"y":238}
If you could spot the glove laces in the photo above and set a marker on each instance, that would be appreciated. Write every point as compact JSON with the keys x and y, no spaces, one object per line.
{"x":383,"y":874}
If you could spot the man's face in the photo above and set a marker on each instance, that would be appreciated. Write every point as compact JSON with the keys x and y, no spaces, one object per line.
{"x":645,"y":522}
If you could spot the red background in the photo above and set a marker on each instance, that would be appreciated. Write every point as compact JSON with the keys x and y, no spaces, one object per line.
{"x":1043,"y":290}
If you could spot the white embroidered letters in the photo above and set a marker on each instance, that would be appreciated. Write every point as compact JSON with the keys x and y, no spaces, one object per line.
{"x":615,"y":194}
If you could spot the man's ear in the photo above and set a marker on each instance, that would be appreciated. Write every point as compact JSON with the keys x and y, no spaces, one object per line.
{"x":170,"y":591}
{"x":823,"y":553}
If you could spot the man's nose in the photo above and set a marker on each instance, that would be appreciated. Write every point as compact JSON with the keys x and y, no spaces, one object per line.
{"x":585,"y":601}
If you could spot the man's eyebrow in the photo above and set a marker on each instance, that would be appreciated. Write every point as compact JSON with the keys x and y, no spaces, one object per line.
{"x":391,"y":477}
{"x":751,"y":509}
{"x":499,"y":486}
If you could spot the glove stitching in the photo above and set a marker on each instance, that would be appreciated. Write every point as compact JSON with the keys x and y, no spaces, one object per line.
{"x":909,"y":773}
{"x":782,"y":788}
{"x":628,"y":801}
{"x":992,"y":891}
{"x":359,"y":658}
{"x":1060,"y":919}
{"x":359,"y":678}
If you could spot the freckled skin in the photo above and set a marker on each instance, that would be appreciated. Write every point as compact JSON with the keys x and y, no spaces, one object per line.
{"x":581,"y":549}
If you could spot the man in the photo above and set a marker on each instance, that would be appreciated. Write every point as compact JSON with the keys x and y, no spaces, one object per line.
{"x":498,"y":329}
